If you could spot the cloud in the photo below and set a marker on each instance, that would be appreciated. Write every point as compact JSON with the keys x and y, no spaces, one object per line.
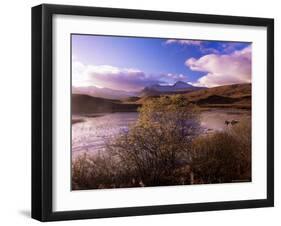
{"x":197,"y":43}
{"x":128,"y":79}
{"x":202,"y":45}
{"x":207,"y":46}
{"x":183,"y":42}
{"x":223,"y":69}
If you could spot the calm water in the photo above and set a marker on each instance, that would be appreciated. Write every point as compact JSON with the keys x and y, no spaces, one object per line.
{"x":92,"y":134}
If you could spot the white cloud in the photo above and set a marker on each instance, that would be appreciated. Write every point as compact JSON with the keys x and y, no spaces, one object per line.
{"x":223,"y":69}
{"x":197,"y":43}
{"x":128,"y":79}
{"x":201,"y":45}
{"x":184,"y":42}
{"x":206,"y":46}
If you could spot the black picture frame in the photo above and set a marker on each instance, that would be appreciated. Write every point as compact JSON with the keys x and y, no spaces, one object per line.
{"x":42,"y":107}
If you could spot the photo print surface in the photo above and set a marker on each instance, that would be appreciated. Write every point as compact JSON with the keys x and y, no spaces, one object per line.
{"x":159,"y":112}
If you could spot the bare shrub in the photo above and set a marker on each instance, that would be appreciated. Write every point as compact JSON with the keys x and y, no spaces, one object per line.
{"x":223,"y":156}
{"x":164,"y":148}
{"x":89,"y":172}
{"x":159,"y":143}
{"x":100,"y":171}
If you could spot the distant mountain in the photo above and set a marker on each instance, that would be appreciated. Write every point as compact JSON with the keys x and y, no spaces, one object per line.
{"x":178,"y":87}
{"x":153,"y":90}
{"x":102,"y":92}
{"x":85,"y":104}
{"x":183,"y":86}
{"x":231,"y":96}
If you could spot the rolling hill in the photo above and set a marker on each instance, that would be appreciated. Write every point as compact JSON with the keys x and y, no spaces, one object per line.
{"x":228,"y":96}
{"x":102,"y":92}
{"x":85,"y":104}
{"x":237,"y":96}
{"x":234,"y":91}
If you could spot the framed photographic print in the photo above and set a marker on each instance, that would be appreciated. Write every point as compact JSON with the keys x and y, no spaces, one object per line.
{"x":146,"y":112}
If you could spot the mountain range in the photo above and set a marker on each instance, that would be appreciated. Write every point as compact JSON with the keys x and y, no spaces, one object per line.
{"x":230,"y":96}
{"x":152,"y":90}
{"x":178,"y":87}
{"x":102,"y":92}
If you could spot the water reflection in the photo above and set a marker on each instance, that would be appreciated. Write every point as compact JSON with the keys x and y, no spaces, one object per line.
{"x":92,"y":133}
{"x":218,"y":120}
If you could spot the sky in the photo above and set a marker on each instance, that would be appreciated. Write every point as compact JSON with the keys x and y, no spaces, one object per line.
{"x":132,"y":63}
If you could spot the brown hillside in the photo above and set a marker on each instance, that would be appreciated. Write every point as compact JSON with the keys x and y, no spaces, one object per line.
{"x":235,"y":96}
{"x":84,"y":104}
{"x":233,"y":91}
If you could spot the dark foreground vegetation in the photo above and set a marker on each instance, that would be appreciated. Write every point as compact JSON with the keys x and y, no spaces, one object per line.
{"x":165,"y":148}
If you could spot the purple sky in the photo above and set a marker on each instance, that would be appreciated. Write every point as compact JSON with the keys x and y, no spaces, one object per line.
{"x":125,"y":63}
